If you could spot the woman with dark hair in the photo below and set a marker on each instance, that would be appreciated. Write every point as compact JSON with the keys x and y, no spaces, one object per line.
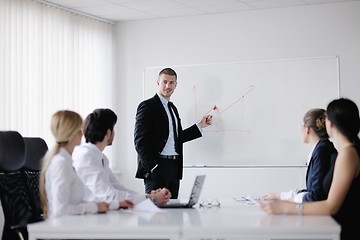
{"x":343,"y":125}
{"x":320,"y":163}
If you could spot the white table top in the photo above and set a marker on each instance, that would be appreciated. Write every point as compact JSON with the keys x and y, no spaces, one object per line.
{"x":230,"y":219}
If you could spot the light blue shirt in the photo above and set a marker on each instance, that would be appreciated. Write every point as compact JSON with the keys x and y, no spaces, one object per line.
{"x":169,"y":148}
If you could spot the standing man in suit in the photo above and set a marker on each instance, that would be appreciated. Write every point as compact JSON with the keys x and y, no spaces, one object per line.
{"x":159,"y":137}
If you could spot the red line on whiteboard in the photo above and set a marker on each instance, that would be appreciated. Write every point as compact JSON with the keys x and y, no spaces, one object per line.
{"x":240,"y":99}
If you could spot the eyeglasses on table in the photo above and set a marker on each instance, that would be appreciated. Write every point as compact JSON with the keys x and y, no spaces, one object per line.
{"x":209,"y":204}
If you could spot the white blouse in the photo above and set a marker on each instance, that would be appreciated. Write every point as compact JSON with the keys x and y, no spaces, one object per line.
{"x":92,"y":166}
{"x":64,"y":189}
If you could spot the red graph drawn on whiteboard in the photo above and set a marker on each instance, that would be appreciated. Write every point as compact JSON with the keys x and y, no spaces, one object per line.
{"x":221,"y":109}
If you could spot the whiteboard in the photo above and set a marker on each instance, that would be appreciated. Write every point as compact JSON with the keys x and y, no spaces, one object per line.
{"x":260,"y":105}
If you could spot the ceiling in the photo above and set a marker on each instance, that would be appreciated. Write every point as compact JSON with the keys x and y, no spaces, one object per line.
{"x":128,"y":10}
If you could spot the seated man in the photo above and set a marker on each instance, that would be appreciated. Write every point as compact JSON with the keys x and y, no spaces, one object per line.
{"x":92,"y":166}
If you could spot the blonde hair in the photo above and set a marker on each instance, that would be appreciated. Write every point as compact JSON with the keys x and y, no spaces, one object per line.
{"x":65,"y":125}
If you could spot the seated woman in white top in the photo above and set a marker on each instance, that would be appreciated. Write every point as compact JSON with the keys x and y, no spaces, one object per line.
{"x":60,"y":188}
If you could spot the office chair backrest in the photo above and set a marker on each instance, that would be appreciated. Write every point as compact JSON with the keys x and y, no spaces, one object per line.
{"x":12,"y":150}
{"x":14,"y":193}
{"x":35,"y":149}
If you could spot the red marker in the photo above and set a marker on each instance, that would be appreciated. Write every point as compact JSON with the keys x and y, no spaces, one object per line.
{"x":211,"y":113}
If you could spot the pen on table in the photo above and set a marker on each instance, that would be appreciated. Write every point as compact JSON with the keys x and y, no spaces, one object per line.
{"x":246,"y":199}
{"x":154,"y":168}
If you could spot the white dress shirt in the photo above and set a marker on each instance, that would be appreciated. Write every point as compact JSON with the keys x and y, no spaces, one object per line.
{"x":92,"y":166}
{"x":64,"y":189}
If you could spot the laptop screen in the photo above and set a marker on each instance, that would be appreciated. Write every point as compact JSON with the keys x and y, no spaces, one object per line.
{"x":197,"y":187}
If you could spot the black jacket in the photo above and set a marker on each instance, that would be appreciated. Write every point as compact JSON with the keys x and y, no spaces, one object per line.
{"x":320,"y":170}
{"x":151,"y":133}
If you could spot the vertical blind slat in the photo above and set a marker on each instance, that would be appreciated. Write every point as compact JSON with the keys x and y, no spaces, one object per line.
{"x":48,"y":56}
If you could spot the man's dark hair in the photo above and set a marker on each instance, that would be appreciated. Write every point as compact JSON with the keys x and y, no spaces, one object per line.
{"x":168,"y":71}
{"x":97,"y":123}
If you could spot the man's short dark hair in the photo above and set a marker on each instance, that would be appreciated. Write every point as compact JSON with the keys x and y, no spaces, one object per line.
{"x":168,"y":71}
{"x":97,"y":123}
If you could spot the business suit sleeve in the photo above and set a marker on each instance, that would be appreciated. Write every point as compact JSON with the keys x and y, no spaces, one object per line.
{"x":143,"y":136}
{"x":190,"y":133}
{"x":320,"y":167}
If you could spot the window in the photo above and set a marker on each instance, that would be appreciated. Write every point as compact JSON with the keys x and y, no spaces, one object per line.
{"x":51,"y":59}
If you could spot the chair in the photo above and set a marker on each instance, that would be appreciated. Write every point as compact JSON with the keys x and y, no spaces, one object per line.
{"x":35,"y":149}
{"x":20,"y":165}
{"x":14,"y":194}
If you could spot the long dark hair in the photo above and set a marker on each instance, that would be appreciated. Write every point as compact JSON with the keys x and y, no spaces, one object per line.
{"x":344,"y":114}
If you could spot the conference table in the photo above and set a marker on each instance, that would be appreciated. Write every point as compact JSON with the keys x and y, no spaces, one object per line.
{"x":232,"y":220}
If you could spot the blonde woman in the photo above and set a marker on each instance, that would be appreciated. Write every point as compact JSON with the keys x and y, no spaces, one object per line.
{"x":60,"y":188}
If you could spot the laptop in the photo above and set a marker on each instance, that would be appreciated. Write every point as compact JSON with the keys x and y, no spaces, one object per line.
{"x":194,"y":196}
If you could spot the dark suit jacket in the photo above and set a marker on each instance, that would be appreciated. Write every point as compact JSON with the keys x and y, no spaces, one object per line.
{"x":319,"y":172}
{"x":151,"y":134}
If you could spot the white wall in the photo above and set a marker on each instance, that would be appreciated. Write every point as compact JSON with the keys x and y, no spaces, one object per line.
{"x":322,"y":30}
{"x":299,"y":32}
